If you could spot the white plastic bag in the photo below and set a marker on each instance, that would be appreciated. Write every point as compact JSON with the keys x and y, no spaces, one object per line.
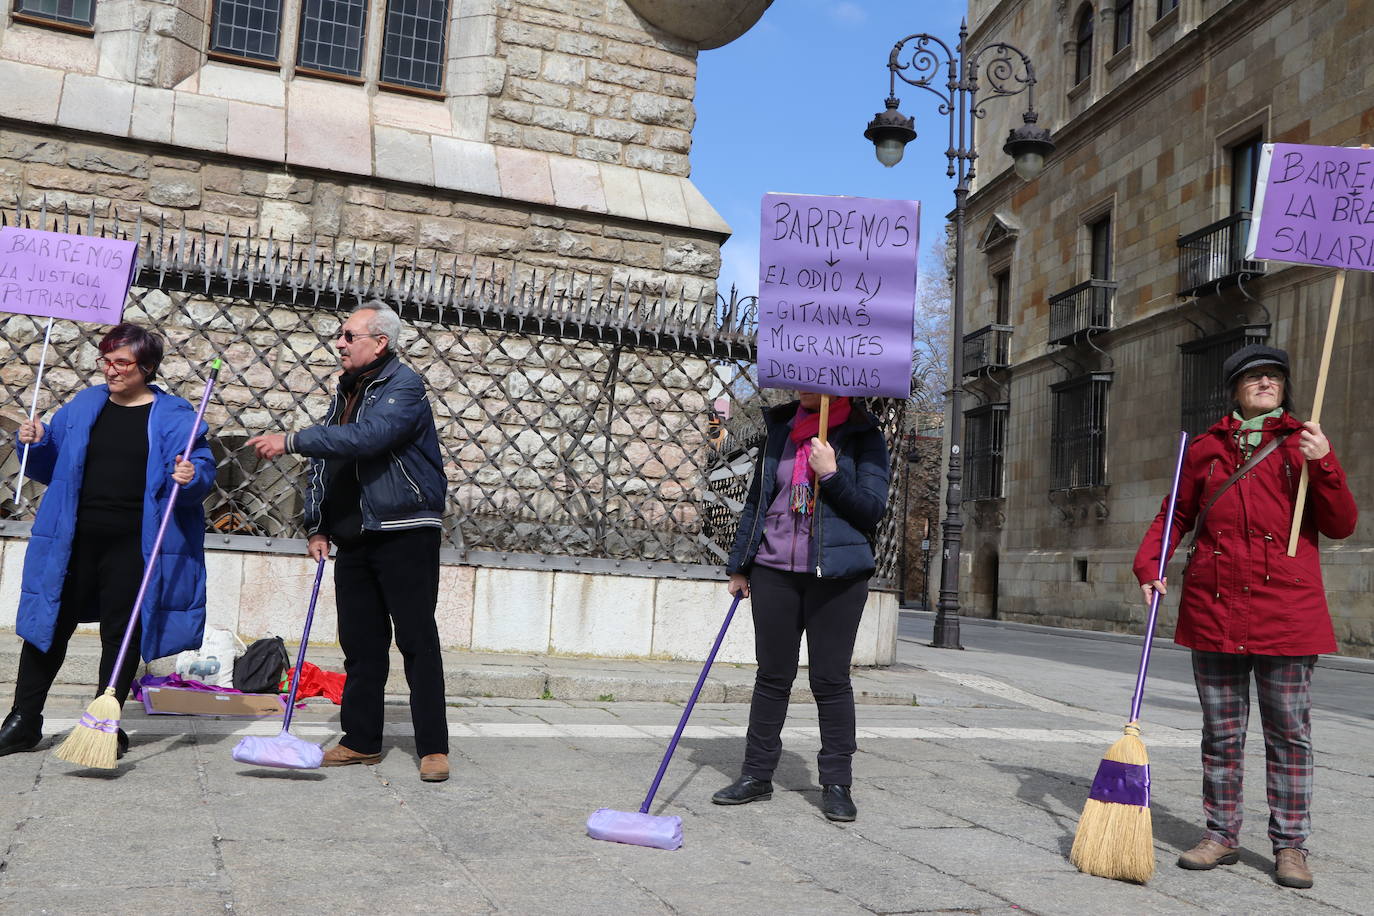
{"x":213,"y":662}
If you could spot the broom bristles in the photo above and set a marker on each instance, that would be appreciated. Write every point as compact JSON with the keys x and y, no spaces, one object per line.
{"x":90,"y":745}
{"x":1116,"y":840}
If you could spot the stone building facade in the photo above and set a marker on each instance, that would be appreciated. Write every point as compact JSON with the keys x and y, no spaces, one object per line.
{"x":1119,"y":277}
{"x":539,"y":143}
{"x":559,"y":135}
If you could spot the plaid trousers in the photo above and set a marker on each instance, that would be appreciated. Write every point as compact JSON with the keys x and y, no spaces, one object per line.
{"x":1283,"y":687}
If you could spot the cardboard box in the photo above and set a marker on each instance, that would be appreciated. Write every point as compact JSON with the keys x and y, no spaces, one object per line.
{"x":179,"y":701}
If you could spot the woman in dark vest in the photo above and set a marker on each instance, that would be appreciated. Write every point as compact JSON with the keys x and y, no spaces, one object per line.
{"x":803,"y":556}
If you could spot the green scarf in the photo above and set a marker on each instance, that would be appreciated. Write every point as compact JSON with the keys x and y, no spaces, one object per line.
{"x":1252,"y":430}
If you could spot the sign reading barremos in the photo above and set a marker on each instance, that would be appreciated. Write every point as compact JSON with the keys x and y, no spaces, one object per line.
{"x":1314,"y":205}
{"x":837,"y":293}
{"x":56,"y":275}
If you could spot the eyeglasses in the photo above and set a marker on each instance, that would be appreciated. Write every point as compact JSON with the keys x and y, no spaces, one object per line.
{"x":349,"y":336}
{"x":119,"y":365}
{"x":1254,"y":375}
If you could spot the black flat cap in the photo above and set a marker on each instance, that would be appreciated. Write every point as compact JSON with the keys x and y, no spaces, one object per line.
{"x":1249,"y":357}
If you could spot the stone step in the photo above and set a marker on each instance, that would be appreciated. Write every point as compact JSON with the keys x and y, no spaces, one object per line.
{"x":520,"y":676}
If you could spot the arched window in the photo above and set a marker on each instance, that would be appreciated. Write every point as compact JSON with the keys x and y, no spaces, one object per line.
{"x":1083,"y":45}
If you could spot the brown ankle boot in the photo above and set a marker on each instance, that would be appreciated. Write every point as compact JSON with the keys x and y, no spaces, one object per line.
{"x":1208,"y":853}
{"x":1290,"y":868}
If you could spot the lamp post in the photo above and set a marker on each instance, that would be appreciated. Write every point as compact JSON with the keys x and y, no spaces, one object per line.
{"x":919,"y":60}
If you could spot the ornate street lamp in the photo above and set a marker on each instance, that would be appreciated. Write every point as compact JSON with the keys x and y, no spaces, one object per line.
{"x":1008,"y":72}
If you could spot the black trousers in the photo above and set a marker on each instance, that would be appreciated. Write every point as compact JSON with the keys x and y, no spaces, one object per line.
{"x":785,"y":605}
{"x":103,"y":576}
{"x":383,"y":580}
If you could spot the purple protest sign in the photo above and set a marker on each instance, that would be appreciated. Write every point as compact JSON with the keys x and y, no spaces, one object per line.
{"x":56,"y":275}
{"x":837,"y":294}
{"x":1314,"y":205}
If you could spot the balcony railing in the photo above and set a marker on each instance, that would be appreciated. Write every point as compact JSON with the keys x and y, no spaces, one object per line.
{"x":987,"y":348}
{"x":1081,"y":309}
{"x":1214,"y":256}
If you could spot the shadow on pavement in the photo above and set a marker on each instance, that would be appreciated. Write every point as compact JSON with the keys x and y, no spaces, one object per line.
{"x":1053,"y":791}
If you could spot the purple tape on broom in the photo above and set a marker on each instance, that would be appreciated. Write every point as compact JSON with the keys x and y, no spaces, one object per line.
{"x":1126,"y":783}
{"x":642,"y":828}
{"x":162,"y":527}
{"x":286,"y":751}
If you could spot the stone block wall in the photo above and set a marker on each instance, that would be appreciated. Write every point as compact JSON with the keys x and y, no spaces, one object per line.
{"x":72,"y":171}
{"x":501,"y":610}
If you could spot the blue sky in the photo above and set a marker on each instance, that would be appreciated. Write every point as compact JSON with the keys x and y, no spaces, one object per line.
{"x":784,"y":108}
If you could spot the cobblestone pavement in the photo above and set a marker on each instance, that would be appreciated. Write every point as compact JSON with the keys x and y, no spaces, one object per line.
{"x":968,"y":795}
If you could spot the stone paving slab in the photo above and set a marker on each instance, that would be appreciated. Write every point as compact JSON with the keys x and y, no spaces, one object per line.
{"x":966,"y":806}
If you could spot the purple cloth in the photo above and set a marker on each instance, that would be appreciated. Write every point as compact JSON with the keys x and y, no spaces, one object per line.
{"x":284,"y":751}
{"x":657,"y":831}
{"x":175,"y":680}
{"x":1122,"y":783}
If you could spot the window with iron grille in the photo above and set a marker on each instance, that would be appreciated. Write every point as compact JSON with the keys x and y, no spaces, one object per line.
{"x":1205,"y":398}
{"x":1078,"y":436}
{"x":1083,"y":45}
{"x":247,"y":29}
{"x":331,"y":36}
{"x":985,"y":437}
{"x":78,"y":13}
{"x":413,"y":44}
{"x":1125,"y":14}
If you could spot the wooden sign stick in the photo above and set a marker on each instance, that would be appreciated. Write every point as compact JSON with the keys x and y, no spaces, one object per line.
{"x":1331,"y":316}
{"x":825,"y":417}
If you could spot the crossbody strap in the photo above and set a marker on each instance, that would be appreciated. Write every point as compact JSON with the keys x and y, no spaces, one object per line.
{"x":1244,"y":469}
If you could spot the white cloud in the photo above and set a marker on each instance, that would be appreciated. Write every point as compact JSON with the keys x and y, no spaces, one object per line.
{"x":849,"y":13}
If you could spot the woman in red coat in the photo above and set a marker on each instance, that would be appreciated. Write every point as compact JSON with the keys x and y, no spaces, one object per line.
{"x":1250,"y":609}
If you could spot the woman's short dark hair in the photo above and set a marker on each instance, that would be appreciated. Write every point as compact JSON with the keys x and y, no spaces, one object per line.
{"x":146,"y":344}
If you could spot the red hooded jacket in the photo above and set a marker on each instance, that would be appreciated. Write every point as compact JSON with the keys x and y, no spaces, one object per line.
{"x":1243,"y":593}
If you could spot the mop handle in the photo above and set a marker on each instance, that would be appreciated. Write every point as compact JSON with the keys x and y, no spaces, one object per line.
{"x":33,"y":409}
{"x":1154,"y":597}
{"x":696,"y":691}
{"x":162,"y":528}
{"x":300,"y":654}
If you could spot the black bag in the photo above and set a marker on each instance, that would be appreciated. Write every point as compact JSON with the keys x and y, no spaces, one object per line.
{"x":261,"y":668}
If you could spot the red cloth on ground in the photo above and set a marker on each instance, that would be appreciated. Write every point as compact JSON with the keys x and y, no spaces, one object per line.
{"x":316,"y":682}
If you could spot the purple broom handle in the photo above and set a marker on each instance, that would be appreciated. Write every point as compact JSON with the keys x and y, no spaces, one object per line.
{"x":300,"y":654}
{"x":696,"y":692}
{"x":162,"y":528}
{"x":1154,"y":597}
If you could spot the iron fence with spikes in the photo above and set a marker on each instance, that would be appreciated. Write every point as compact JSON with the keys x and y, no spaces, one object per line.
{"x":582,"y":425}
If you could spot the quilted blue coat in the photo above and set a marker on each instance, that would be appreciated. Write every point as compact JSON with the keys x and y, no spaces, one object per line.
{"x":173,"y":610}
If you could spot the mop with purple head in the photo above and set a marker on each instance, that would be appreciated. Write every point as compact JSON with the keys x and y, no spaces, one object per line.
{"x":285,"y":751}
{"x":640,"y":828}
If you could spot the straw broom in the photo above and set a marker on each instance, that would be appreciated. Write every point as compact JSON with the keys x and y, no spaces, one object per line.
{"x":1115,"y":836}
{"x":94,"y":742}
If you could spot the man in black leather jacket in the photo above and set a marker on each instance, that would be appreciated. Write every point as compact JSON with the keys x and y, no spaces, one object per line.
{"x":376,"y":488}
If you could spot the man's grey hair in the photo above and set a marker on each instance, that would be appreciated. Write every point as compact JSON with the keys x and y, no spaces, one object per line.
{"x":383,"y":321}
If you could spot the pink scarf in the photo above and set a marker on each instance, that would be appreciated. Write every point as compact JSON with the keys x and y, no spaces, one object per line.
{"x":805,"y":426}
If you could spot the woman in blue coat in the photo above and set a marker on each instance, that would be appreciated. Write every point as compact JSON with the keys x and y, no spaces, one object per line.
{"x":110,"y":458}
{"x":803,"y":556}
